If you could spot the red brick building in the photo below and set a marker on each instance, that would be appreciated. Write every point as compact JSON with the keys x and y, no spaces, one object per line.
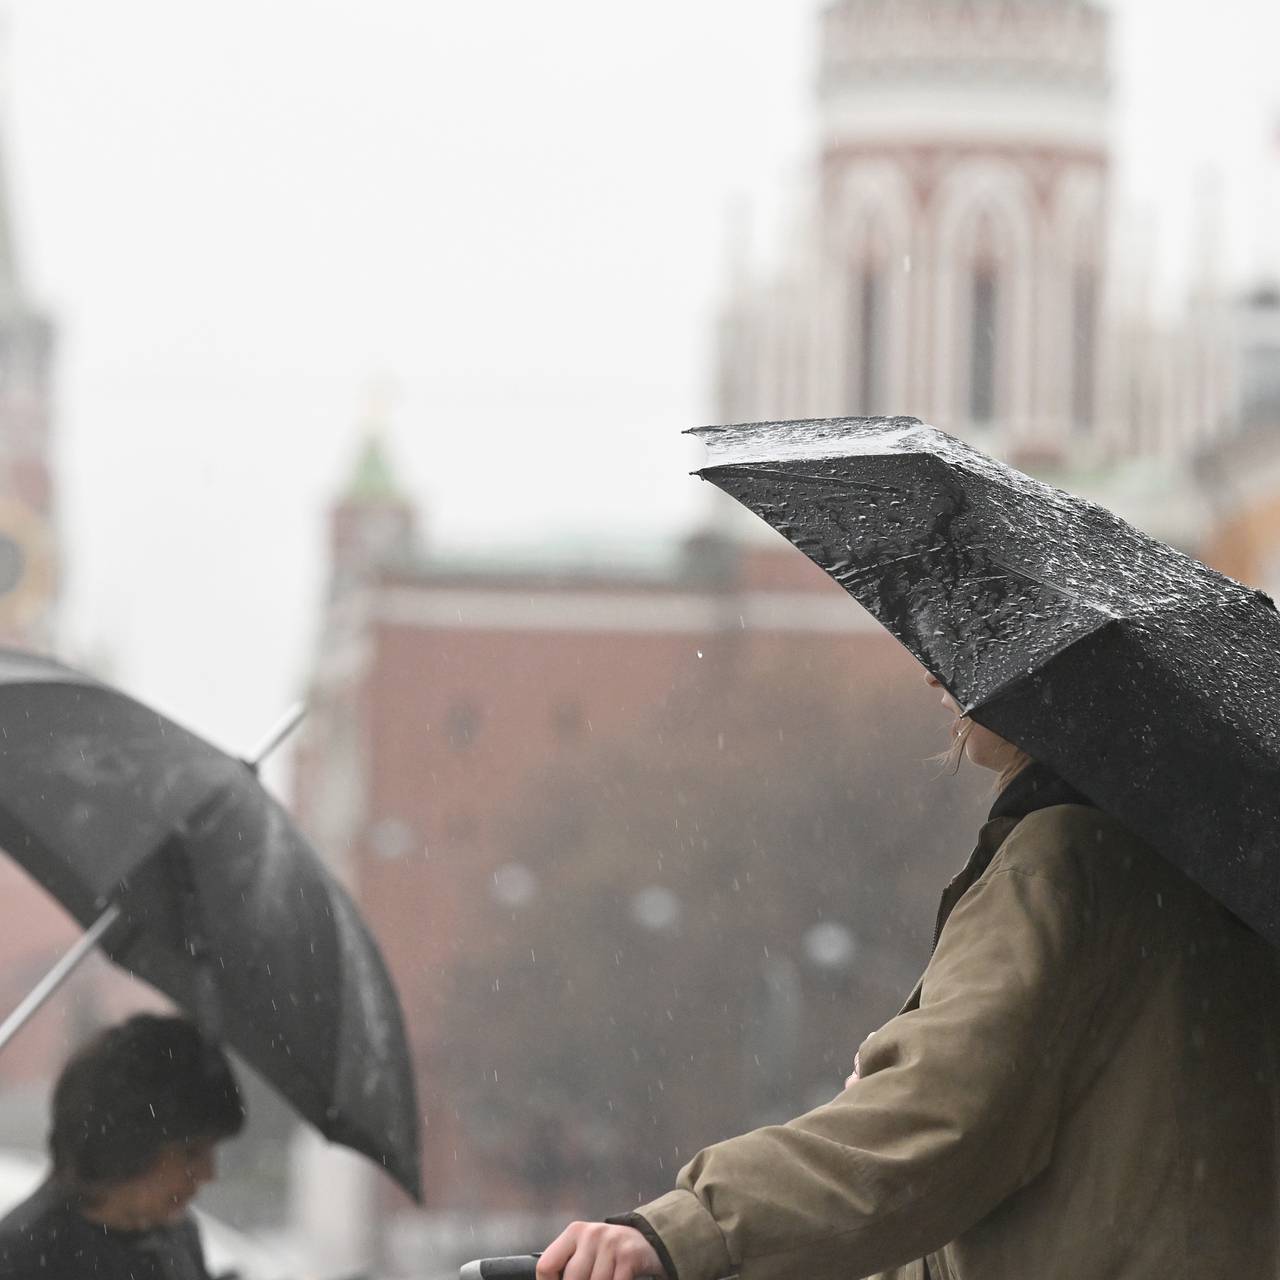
{"x":443,"y":689}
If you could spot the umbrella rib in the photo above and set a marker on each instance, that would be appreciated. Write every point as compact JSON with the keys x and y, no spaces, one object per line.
{"x":772,"y":473}
{"x":880,"y":565}
{"x":1023,"y":572}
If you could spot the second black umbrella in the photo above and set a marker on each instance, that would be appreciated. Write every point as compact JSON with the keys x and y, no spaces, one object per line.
{"x":220,"y":901}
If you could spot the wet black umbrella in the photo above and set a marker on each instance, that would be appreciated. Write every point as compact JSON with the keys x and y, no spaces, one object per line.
{"x":1148,"y":681}
{"x":212,"y":896}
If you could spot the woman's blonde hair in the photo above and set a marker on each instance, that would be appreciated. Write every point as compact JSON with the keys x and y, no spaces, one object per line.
{"x":953,"y":757}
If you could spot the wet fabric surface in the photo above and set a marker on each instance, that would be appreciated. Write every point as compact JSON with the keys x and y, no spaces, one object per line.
{"x":1146,"y":680}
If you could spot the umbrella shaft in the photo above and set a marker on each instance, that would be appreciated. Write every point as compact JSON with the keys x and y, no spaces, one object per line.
{"x":279,"y":732}
{"x":56,"y":976}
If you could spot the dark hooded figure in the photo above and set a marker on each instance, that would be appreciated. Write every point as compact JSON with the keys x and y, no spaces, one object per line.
{"x":137,"y":1115}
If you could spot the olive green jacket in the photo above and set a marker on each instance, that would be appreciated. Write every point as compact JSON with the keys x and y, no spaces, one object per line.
{"x":1084,"y":1085}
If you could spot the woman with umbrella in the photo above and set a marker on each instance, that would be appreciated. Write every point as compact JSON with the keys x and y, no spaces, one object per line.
{"x":1083,"y":1084}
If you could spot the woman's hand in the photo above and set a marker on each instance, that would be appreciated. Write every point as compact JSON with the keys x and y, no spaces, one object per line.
{"x":599,"y":1251}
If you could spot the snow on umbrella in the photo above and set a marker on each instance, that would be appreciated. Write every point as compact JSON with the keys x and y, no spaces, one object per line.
{"x":211,"y":894}
{"x":1148,"y":681}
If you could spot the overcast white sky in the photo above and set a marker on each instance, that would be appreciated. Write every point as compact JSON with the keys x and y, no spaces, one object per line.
{"x":243,"y":214}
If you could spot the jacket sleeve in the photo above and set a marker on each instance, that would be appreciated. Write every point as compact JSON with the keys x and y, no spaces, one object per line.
{"x":956,"y":1108}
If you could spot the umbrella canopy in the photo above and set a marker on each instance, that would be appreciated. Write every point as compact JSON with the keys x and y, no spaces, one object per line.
{"x":224,"y":905}
{"x":1150,"y":682}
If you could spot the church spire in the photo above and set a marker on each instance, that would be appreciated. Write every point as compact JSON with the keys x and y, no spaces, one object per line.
{"x":373,"y":477}
{"x":373,"y":526}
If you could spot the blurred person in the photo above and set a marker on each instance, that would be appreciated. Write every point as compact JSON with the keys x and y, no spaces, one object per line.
{"x":137,"y":1115}
{"x":1083,"y":1084}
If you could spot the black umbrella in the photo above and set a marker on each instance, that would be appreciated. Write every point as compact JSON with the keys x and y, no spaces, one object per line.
{"x":1150,"y":682}
{"x":210,"y":894}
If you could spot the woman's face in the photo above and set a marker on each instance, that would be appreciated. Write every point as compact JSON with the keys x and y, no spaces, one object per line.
{"x":985,"y":749}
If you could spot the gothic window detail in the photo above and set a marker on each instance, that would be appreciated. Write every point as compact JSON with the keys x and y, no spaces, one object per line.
{"x":986,"y":264}
{"x":871,"y":353}
{"x":984,"y":315}
{"x":783,"y":362}
{"x":868,"y":313}
{"x":794,"y":380}
{"x":1084,"y":346}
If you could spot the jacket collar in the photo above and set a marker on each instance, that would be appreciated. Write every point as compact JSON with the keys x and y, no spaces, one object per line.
{"x":1035,"y":787}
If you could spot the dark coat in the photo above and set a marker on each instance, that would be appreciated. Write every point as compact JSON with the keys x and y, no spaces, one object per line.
{"x":47,"y":1238}
{"x":1084,"y":1084}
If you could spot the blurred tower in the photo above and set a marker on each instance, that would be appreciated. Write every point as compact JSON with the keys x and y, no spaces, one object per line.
{"x":373,"y":525}
{"x":28,"y":548}
{"x":959,"y":225}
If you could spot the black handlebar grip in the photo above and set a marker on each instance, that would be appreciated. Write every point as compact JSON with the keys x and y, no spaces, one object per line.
{"x":522,"y":1267}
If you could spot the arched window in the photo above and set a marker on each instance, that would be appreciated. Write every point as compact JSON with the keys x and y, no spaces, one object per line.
{"x":871,"y":348}
{"x":984,"y":329}
{"x":1084,"y":346}
{"x":868,"y":312}
{"x":987,"y":338}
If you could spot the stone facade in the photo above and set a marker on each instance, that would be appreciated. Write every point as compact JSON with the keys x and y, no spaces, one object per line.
{"x":953,"y":264}
{"x":955,"y":259}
